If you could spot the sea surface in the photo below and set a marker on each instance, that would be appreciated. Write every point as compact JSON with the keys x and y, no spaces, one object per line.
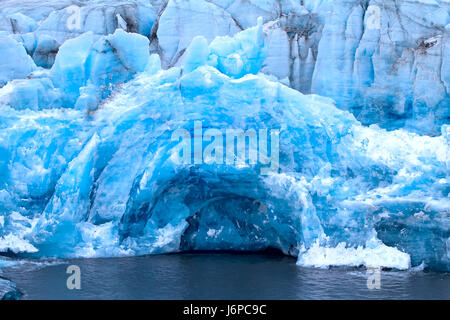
{"x":217,"y":276}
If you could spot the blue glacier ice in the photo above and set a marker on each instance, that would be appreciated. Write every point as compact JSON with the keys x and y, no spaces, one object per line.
{"x":8,"y":290}
{"x":85,"y":70}
{"x":89,"y":166}
{"x":15,"y":61}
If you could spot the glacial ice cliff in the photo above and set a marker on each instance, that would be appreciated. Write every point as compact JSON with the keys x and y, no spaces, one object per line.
{"x":91,"y":94}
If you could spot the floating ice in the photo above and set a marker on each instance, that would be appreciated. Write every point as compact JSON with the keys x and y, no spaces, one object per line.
{"x":371,"y":256}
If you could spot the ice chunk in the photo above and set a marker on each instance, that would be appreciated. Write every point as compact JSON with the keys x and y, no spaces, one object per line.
{"x":15,"y":244}
{"x":85,"y":69}
{"x":45,"y":51}
{"x":69,"y":71}
{"x":33,"y":94}
{"x":15,"y":62}
{"x":196,"y":54}
{"x":132,"y":49}
{"x":240,"y":55}
{"x":8,"y":290}
{"x":375,"y":256}
{"x":113,"y":59}
{"x":21,"y":23}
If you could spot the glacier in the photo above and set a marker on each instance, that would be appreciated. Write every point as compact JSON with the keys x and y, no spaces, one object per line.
{"x":91,"y":94}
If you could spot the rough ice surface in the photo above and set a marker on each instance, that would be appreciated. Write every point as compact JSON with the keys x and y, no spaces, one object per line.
{"x":8,"y":290}
{"x":371,"y":255}
{"x":15,"y":61}
{"x":384,"y":61}
{"x":85,"y":70}
{"x":92,"y":92}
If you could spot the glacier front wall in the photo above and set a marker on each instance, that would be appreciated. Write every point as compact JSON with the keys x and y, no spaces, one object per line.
{"x":87,"y":165}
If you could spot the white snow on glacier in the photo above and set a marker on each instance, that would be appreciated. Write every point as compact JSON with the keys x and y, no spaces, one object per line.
{"x":87,"y":165}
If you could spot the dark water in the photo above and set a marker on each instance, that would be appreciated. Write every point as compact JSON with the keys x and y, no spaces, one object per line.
{"x":218,"y":276}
